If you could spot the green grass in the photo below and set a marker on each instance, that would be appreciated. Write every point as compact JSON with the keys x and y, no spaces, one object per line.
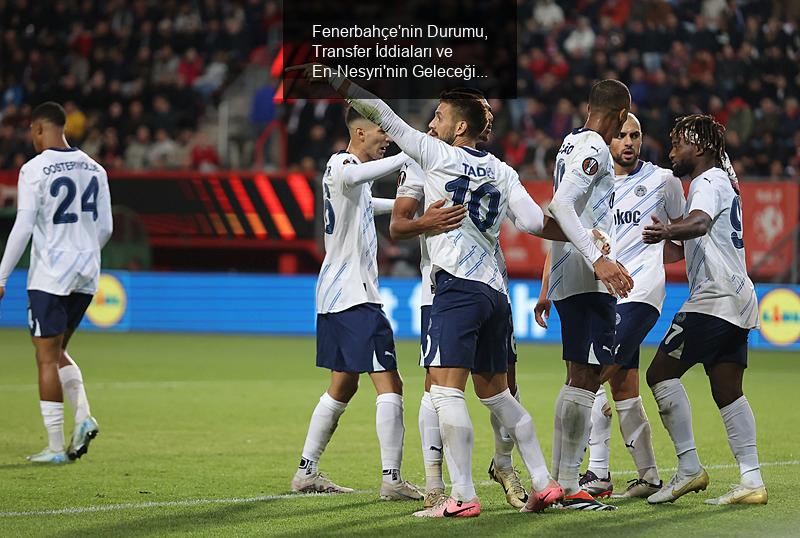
{"x":191,"y":417}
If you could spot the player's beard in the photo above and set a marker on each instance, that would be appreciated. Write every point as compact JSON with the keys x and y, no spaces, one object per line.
{"x":681,"y":169}
{"x":448,"y":138}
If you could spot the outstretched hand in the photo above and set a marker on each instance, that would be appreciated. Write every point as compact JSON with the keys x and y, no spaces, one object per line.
{"x":438,"y":219}
{"x":656,"y":232}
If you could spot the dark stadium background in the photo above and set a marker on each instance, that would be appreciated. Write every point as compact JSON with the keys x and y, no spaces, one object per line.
{"x":212,"y":170}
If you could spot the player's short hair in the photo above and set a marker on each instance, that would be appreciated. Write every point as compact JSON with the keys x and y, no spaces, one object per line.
{"x":51,"y":112}
{"x":351,"y":116}
{"x":703,"y":131}
{"x":611,"y":95}
{"x":466,"y":102}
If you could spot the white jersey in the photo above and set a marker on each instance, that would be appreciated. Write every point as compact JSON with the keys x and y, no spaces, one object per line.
{"x":69,"y":192}
{"x":715,"y":262}
{"x":648,"y":191}
{"x":483,"y":183}
{"x":349,"y":273}
{"x":585,"y":161}
{"x":411,"y":184}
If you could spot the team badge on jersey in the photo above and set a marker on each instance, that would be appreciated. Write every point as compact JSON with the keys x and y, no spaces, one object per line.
{"x":590,"y":166}
{"x":640,"y":191}
{"x":401,"y":178}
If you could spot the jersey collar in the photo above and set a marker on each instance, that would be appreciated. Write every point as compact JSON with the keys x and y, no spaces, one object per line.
{"x":474,"y":152}
{"x":62,"y":149}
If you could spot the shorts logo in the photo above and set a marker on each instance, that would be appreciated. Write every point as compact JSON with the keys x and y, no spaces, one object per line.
{"x":590,"y":166}
{"x":680,"y":316}
{"x":619,"y":319}
{"x":401,"y":178}
{"x":640,"y":191}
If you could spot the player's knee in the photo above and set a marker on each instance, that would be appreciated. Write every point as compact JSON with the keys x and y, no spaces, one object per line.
{"x":585,"y":376}
{"x":724,"y":396}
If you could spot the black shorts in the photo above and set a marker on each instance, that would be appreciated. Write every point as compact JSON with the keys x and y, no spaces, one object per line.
{"x":698,"y":338}
{"x":587,"y":327}
{"x":358,"y":340}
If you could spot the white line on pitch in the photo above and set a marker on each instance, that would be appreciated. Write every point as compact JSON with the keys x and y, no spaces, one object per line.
{"x":243,"y":500}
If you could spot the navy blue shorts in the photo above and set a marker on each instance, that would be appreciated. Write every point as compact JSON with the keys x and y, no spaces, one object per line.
{"x":425,"y":326}
{"x":634,"y":321}
{"x":358,"y":340}
{"x":704,"y":339}
{"x":512,"y":342}
{"x":51,"y":315}
{"x":468,"y":326}
{"x":587,"y":327}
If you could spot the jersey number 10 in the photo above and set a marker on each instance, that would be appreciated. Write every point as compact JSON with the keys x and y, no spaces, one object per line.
{"x":88,"y":199}
{"x":460,"y":186}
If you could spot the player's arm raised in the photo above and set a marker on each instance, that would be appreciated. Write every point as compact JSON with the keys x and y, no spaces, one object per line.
{"x":356,"y":174}
{"x":414,"y":143}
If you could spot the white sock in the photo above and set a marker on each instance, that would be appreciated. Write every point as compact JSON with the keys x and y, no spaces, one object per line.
{"x":323,"y":423}
{"x":557,"y":434}
{"x":741,"y":426}
{"x":390,"y":428}
{"x":53,"y":417}
{"x":431,"y":443}
{"x":517,"y":421}
{"x":72,"y":385}
{"x":600,"y":436}
{"x":457,"y":437}
{"x":576,"y":421}
{"x":503,"y":444}
{"x":638,"y":437}
{"x":676,"y":414}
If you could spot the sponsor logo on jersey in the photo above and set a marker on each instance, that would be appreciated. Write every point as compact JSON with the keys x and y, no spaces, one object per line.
{"x":779,"y":314}
{"x":590,"y":166}
{"x":627,"y":217}
{"x":640,"y":191}
{"x":109,"y":303}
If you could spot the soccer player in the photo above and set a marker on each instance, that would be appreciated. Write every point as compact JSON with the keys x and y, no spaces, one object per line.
{"x":65,"y":204}
{"x":642,"y":189}
{"x":584,"y":198}
{"x":712,"y":326}
{"x":470,"y":306}
{"x":353,"y":334}
{"x":408,"y":221}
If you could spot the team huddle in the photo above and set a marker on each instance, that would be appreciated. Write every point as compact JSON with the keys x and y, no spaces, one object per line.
{"x":614,"y":221}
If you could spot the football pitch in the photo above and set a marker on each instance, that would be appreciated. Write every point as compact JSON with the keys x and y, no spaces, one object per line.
{"x":201,"y":435}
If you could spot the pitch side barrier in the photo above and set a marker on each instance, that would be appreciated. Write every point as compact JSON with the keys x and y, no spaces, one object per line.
{"x":284,"y":305}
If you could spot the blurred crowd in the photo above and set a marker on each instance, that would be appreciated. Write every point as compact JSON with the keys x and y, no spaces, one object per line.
{"x":133,"y":75}
{"x":736,"y":59}
{"x":136,"y":75}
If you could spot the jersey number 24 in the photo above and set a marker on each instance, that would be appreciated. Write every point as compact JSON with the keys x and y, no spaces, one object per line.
{"x":88,"y":199}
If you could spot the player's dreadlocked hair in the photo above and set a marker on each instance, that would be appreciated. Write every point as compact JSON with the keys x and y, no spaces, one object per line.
{"x":703,"y":131}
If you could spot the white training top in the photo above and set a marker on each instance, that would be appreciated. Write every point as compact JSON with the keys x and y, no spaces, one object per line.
{"x":647,"y":191}
{"x":715,"y":262}
{"x":584,"y":185}
{"x":411,"y":184}
{"x":349,"y":273}
{"x":68,"y":192}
